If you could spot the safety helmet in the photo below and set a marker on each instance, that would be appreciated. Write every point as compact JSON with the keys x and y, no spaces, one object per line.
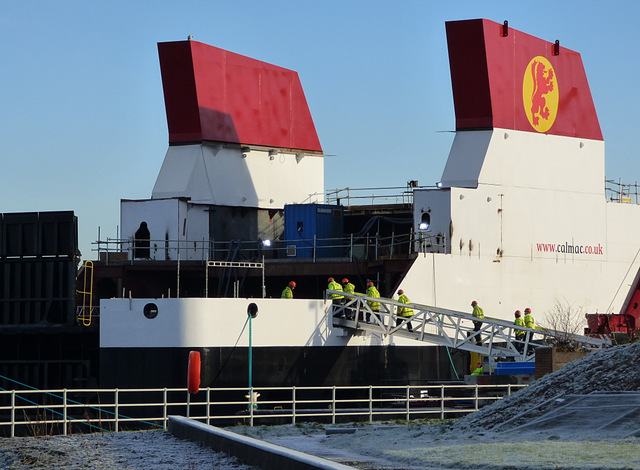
{"x":517,"y":313}
{"x":345,"y":280}
{"x":369,"y":284}
{"x":527,"y":310}
{"x":474,"y":303}
{"x":400,"y":292}
{"x":292,"y":284}
{"x":330,"y":279}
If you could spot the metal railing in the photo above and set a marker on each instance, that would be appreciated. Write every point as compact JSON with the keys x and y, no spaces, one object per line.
{"x":349,"y":197}
{"x":371,"y":247}
{"x":46,"y":412}
{"x":626,"y":193}
{"x":493,"y":337}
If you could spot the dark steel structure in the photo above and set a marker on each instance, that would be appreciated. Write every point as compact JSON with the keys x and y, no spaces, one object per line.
{"x":41,"y":344}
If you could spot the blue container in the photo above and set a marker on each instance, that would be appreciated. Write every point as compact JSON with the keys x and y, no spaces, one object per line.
{"x":515,"y":368}
{"x":309,"y":225}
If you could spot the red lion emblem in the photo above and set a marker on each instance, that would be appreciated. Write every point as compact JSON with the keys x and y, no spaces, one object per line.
{"x":542,"y":84}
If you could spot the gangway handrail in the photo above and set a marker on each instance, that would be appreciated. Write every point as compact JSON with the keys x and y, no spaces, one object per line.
{"x":444,"y":327}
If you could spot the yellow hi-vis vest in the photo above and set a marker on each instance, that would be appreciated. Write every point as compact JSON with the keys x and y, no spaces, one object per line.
{"x":373,"y":292}
{"x":333,"y":285}
{"x":404,"y":311}
{"x":477,"y":312}
{"x":287,"y":293}
{"x":528,"y":321}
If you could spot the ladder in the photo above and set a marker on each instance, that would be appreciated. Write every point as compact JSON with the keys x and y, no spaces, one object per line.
{"x":85,"y":311}
{"x":444,"y":327}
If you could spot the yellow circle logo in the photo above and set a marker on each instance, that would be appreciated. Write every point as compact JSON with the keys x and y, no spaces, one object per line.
{"x":540,"y":94}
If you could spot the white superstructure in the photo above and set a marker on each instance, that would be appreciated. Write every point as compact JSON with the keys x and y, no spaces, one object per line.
{"x":520,"y":217}
{"x":525,"y":223}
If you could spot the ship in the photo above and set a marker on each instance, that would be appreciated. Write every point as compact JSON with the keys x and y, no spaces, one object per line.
{"x":522,"y":217}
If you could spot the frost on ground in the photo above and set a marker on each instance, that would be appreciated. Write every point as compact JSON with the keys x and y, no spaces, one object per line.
{"x":442,"y":446}
{"x":156,"y":450}
{"x":478,"y":441}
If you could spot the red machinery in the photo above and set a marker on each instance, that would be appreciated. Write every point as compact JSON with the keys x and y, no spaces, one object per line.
{"x":622,"y":327}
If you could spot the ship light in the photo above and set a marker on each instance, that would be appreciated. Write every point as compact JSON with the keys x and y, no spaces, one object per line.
{"x":425,"y":222}
{"x":266,"y":243}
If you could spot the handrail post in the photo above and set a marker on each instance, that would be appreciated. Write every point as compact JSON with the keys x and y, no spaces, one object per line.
{"x":392,"y":243}
{"x":333,"y":405}
{"x":293,"y":405}
{"x":64,"y":411}
{"x":377,"y":241}
{"x":13,"y":413}
{"x":370,"y":403}
{"x":206,"y":277}
{"x":251,"y":406}
{"x":408,"y":395}
{"x":165,"y":406}
{"x":208,"y":404}
{"x":441,"y":401}
{"x":117,"y":412}
{"x":476,"y":400}
{"x":351,"y":248}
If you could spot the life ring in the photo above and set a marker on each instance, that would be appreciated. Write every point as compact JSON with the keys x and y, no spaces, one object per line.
{"x":193,"y":375}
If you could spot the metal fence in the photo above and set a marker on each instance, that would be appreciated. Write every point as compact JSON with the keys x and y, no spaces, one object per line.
{"x":365,"y":246}
{"x":47,"y":412}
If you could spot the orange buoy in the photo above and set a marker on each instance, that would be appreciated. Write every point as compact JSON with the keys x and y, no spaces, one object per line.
{"x":193,"y":375}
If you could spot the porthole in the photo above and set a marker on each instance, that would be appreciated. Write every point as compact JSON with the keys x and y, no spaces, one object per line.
{"x":150,"y":311}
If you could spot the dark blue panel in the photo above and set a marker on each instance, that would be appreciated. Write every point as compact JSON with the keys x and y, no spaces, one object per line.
{"x":318,"y":227}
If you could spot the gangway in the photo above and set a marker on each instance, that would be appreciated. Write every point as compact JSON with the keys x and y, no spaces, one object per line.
{"x":444,"y":327}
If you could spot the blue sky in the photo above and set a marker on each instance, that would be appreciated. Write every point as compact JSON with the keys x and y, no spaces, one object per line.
{"x":82,"y":120}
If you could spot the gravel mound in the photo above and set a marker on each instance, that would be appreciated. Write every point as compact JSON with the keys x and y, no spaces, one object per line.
{"x":611,"y":370}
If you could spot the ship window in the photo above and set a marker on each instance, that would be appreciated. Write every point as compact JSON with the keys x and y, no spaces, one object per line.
{"x":150,"y":311}
{"x":426,"y":221}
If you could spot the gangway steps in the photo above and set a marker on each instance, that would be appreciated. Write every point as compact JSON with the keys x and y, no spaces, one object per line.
{"x":431,"y":338}
{"x":442,"y":327}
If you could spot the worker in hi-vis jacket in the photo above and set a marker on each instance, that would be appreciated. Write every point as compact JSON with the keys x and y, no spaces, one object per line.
{"x":404,"y":312}
{"x":477,"y":313}
{"x":287,"y":293}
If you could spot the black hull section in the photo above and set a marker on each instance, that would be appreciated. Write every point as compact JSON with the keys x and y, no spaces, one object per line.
{"x":49,"y":358}
{"x":281,"y":366}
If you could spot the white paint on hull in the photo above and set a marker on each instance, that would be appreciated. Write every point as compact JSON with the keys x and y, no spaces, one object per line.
{"x":223,"y":322}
